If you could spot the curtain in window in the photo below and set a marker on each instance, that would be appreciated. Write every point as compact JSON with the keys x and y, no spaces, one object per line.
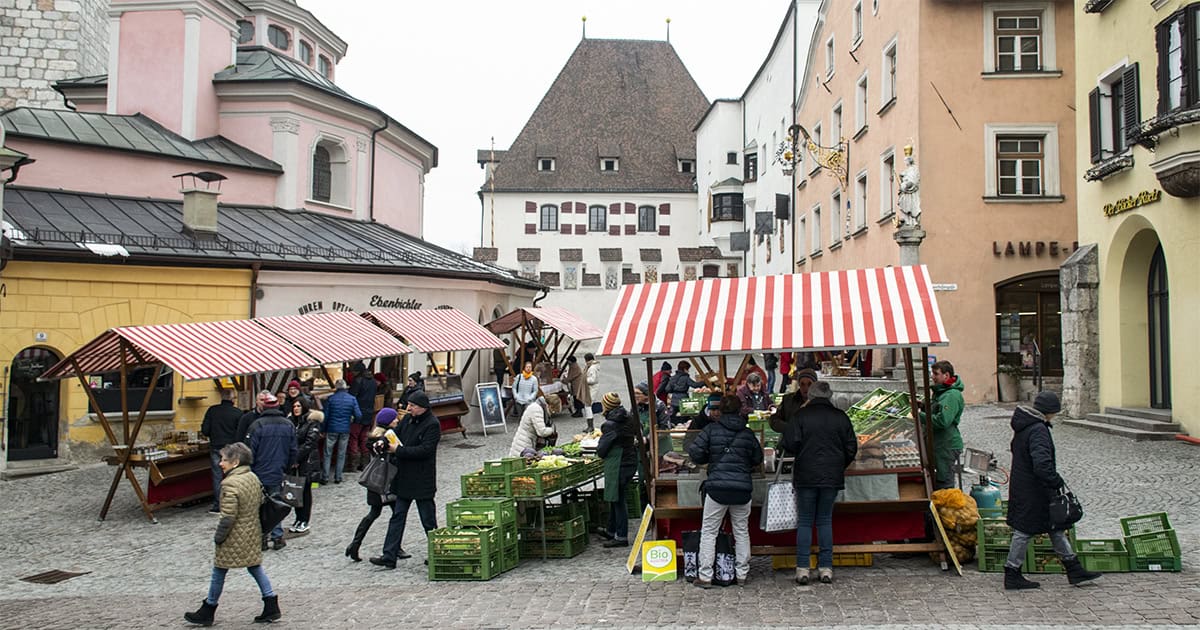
{"x":322,"y":184}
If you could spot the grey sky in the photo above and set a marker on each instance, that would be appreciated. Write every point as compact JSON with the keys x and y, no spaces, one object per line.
{"x":460,"y":72}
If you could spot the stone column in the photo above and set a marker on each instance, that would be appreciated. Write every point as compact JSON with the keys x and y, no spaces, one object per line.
{"x":909,"y":238}
{"x":1079,"y":284}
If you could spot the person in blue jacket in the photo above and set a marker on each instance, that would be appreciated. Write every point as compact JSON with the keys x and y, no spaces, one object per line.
{"x":341,"y":409}
{"x":273,"y":443}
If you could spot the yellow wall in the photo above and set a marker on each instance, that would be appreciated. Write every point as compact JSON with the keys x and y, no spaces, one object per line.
{"x":74,"y":303}
{"x":1127,"y":240}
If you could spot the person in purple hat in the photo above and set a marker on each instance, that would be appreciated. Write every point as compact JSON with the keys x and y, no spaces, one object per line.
{"x":387,"y":418}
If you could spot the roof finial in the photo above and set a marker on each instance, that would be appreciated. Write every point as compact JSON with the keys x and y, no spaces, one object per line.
{"x":585,"y":27}
{"x":668,"y":30}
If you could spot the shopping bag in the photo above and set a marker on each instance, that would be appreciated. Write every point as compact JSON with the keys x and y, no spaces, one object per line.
{"x":292,"y":490}
{"x":779,"y":510}
{"x":272,"y":511}
{"x":1065,"y":509}
{"x":377,"y":475}
{"x":724,"y":566}
{"x":691,"y":555}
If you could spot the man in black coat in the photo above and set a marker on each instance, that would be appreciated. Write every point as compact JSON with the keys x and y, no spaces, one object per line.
{"x":824,"y":443}
{"x":273,"y":442}
{"x":1034,"y":480}
{"x":415,"y":458}
{"x":220,"y":427}
{"x":731,"y":451}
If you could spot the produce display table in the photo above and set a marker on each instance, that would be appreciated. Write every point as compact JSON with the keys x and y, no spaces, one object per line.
{"x":541,"y":501}
{"x":173,"y":480}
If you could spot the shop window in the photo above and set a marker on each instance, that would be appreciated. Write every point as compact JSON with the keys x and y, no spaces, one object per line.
{"x":107,"y":388}
{"x":1029,"y":324}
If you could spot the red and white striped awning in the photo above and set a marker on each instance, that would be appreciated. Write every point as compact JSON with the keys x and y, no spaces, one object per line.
{"x":856,"y":308}
{"x":558,"y":318}
{"x":335,"y":337}
{"x":436,"y":330}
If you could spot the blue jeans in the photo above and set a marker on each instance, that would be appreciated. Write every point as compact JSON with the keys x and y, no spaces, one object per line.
{"x":395,"y":531}
{"x":277,"y":531}
{"x":770,"y":381}
{"x":217,"y":584}
{"x":814,"y":506}
{"x":214,"y":458}
{"x":1020,"y":542}
{"x":339,"y":440}
{"x":618,"y":513}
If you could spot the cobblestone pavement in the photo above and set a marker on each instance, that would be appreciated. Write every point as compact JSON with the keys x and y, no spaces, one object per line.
{"x":145,"y":575}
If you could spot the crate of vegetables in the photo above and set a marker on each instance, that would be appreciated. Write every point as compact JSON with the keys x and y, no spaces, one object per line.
{"x":558,"y":530}
{"x":510,"y":558}
{"x":535,"y":482}
{"x":465,"y":542}
{"x":467,"y":569}
{"x":479,"y":484}
{"x":503,"y":466}
{"x":494,"y":512}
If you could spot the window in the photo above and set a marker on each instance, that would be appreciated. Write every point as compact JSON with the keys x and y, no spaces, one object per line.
{"x":860,"y":112}
{"x":802,"y":231}
{"x":1018,"y":42}
{"x":874,"y":7}
{"x":835,"y":218}
{"x":647,"y":219}
{"x":829,"y":64}
{"x":888,"y":92}
{"x":751,"y":170}
{"x":1021,"y":160}
{"x":108,"y":392}
{"x":816,"y":138}
{"x":322,"y":182}
{"x":278,"y":37}
{"x":325,"y":67}
{"x":887,"y":183}
{"x":816,"y":229}
{"x":608,"y":164}
{"x":687,"y":166}
{"x":860,"y":201}
{"x":731,"y":157}
{"x":306,"y":53}
{"x":548,"y":218}
{"x":245,"y":32}
{"x":1019,"y":165}
{"x":858,"y":24}
{"x":1178,"y":39}
{"x":728,"y":207}
{"x":597,"y":219}
{"x":1113,"y":110}
{"x":545,"y":164}
{"x":329,"y":163}
{"x":836,"y":124}
{"x":1029,"y":324}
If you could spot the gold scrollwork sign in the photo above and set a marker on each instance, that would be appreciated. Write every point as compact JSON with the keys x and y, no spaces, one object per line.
{"x":1132,"y":201}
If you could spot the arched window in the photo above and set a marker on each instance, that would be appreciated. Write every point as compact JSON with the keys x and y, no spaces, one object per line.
{"x":597,"y":219}
{"x":278,"y":37}
{"x":647,"y":219}
{"x":324,"y":66}
{"x":306,"y":53}
{"x":322,"y":180}
{"x":549,"y":218}
{"x":245,"y":32}
{"x":330,"y":173}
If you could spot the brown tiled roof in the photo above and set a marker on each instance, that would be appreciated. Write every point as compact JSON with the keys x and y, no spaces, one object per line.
{"x":628,"y":95}
{"x":591,"y":279}
{"x":651,"y":255}
{"x":710,"y":251}
{"x":610,"y":254}
{"x":549,"y":278}
{"x":529,"y":254}
{"x":570,"y":254}
{"x":690,"y":254}
{"x":483,"y":156}
{"x":487,"y":254}
{"x":629,"y":277}
{"x":670,"y":277}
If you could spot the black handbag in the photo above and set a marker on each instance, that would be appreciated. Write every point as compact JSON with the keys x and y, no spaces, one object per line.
{"x":378,"y":474}
{"x":1065,"y":509}
{"x":272,"y":511}
{"x":291,"y":490}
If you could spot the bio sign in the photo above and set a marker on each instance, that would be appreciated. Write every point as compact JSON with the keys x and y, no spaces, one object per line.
{"x":658,"y":561}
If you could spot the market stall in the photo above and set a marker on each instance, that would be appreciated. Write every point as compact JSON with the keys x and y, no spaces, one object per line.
{"x":443,"y":330}
{"x":200,"y":351}
{"x":885,"y":308}
{"x":544,"y":336}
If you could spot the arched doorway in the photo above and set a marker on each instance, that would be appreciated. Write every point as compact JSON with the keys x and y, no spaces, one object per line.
{"x":1159,"y":331}
{"x":1029,"y":324}
{"x":33,"y":406}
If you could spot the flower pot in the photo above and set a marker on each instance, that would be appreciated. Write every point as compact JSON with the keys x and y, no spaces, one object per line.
{"x":1010,"y":387}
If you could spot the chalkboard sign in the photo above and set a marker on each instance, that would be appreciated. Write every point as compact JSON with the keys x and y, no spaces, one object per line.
{"x":491,"y":407}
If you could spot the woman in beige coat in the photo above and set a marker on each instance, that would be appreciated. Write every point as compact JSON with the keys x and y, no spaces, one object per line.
{"x":238,"y":536}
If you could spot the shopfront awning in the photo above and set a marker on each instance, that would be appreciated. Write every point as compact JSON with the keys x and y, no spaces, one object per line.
{"x":558,"y":318}
{"x":335,"y":337}
{"x":436,"y":330}
{"x":892,"y":307}
{"x":197,"y":350}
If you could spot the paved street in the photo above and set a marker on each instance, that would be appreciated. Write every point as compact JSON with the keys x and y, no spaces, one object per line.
{"x":144,"y":575}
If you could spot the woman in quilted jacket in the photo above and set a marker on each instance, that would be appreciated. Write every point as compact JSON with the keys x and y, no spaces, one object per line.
{"x":238,"y":536}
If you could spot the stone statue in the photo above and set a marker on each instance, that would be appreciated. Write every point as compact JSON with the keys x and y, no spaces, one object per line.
{"x":909,"y":197}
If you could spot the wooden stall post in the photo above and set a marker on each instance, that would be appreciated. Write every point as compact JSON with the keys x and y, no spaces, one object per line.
{"x":724,"y":372}
{"x":652,"y":473}
{"x":916,"y":414}
{"x":124,"y":392}
{"x":641,"y":442}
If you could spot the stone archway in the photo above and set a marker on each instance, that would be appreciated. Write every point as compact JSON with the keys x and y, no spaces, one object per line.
{"x":34,"y":407}
{"x":1129,"y":265}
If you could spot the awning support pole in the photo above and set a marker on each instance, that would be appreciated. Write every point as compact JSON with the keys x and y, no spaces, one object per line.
{"x":467,"y":365}
{"x":926,"y":452}
{"x":652,"y":473}
{"x":641,"y":441}
{"x":125,"y":392}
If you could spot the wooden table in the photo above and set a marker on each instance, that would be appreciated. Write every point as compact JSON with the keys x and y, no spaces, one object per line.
{"x":175,"y":479}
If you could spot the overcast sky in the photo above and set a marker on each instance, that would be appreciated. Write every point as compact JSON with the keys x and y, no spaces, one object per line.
{"x":460,"y":72}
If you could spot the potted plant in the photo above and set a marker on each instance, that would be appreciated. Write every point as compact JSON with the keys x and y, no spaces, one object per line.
{"x":1009,"y":377}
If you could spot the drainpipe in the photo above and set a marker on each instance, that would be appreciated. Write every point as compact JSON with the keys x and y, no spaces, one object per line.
{"x":371,"y":186}
{"x":254,"y":269}
{"x":793,"y":193}
{"x":544,"y":295}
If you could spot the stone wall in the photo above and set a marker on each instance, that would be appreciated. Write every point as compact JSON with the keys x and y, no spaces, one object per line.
{"x":43,"y":41}
{"x":1079,"y":279}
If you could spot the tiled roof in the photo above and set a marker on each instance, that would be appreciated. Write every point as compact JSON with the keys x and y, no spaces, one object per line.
{"x":591,"y":280}
{"x":487,"y":254}
{"x":670,"y":277}
{"x":627,"y":96}
{"x":135,"y":133}
{"x":529,"y":254}
{"x":549,"y":278}
{"x":485,"y":155}
{"x":650,"y":255}
{"x":92,"y":81}
{"x":570,"y":254}
{"x":690,"y":254}
{"x":610,"y":254}
{"x":68,"y":224}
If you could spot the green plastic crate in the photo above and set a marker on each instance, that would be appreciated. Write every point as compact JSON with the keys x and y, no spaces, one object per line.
{"x":477,"y":484}
{"x":1145,"y":524}
{"x":510,"y":558}
{"x":1100,"y":544}
{"x":558,"y":530}
{"x":1104,"y":561}
{"x":993,"y":532}
{"x":481,"y":512}
{"x":1042,"y":542}
{"x":503,"y":466}
{"x":1163,"y":544}
{"x":562,"y":512}
{"x":1173,"y":565}
{"x":465,"y":569}
{"x":992,"y":560}
{"x":462,"y":542}
{"x":535,"y":482}
{"x":1043,"y":561}
{"x":554,"y":548}
{"x":594,"y":467}
{"x":633,"y":499}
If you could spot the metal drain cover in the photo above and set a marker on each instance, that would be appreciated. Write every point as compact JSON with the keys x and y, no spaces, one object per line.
{"x":52,"y":577}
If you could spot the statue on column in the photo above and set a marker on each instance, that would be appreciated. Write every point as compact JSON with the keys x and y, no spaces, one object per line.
{"x":909,"y":197}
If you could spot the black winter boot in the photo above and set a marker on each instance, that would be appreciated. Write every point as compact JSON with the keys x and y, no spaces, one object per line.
{"x":359,"y":534}
{"x":204,"y":616}
{"x":1014,"y":581}
{"x":1076,"y":574}
{"x":270,"y":610}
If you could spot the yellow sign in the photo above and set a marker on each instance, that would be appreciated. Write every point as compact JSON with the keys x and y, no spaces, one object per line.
{"x":632,"y":561}
{"x":1132,"y":201}
{"x":658,"y":561}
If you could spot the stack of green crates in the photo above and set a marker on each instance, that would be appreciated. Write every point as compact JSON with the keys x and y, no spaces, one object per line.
{"x":565,"y":529}
{"x":994,"y":538}
{"x":1151,"y":543}
{"x":465,"y":553}
{"x":1040,"y":557}
{"x":1103,"y":555}
{"x":496,"y":512}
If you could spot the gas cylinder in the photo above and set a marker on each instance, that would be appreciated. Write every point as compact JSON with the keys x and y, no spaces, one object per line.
{"x":986,"y":494}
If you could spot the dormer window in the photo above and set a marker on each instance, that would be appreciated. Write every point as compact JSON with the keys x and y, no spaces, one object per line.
{"x":609,"y":164}
{"x":306,"y":53}
{"x":324,"y":66}
{"x":278,"y":37}
{"x":545,"y":164}
{"x":687,"y":166}
{"x":245,"y":32}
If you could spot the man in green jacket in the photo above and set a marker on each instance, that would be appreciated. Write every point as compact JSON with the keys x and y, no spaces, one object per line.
{"x":947,"y":412}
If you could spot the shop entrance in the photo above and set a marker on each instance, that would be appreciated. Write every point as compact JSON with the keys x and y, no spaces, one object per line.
{"x":1159,"y":329}
{"x":32,"y":406}
{"x":1029,"y":324}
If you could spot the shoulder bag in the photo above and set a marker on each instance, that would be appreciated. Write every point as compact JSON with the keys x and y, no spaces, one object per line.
{"x":1065,"y":509}
{"x":378,"y":474}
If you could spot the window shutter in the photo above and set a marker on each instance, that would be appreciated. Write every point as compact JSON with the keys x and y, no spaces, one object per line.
{"x":1160,"y":43}
{"x":1094,"y":125}
{"x":1133,"y":110}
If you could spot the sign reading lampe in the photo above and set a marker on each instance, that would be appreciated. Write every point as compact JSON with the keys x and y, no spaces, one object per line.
{"x":833,"y":159}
